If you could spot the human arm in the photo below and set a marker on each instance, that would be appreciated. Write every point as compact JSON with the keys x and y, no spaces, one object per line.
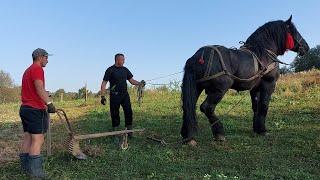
{"x":103,"y":92}
{"x":134,"y":82}
{"x":137,"y":83}
{"x":44,"y":95}
{"x":103,"y":87}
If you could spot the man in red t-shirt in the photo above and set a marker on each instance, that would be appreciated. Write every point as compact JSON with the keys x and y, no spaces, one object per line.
{"x":33,"y":113}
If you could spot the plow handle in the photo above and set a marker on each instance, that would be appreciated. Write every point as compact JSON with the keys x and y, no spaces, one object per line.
{"x":112,"y":133}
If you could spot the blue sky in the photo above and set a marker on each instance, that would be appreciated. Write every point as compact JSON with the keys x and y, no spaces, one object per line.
{"x":157,"y":37}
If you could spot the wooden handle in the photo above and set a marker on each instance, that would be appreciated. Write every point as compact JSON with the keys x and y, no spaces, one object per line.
{"x":89,"y":136}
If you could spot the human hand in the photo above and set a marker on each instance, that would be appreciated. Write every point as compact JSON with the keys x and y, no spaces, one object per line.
{"x":51,"y":108}
{"x":143,"y":83}
{"x":103,"y":100}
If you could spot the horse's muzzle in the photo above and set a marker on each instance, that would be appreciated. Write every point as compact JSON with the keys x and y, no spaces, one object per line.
{"x":302,"y":51}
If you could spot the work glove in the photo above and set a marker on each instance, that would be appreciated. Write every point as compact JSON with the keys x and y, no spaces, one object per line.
{"x":103,"y":100}
{"x":143,"y":83}
{"x":51,"y":108}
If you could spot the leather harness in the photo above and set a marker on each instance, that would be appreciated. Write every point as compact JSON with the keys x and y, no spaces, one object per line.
{"x":263,"y":71}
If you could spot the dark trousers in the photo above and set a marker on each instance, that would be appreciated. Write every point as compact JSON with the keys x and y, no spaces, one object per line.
{"x":123,"y":99}
{"x":34,"y":121}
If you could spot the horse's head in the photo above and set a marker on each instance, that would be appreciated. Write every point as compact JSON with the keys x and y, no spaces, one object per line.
{"x":300,"y":45}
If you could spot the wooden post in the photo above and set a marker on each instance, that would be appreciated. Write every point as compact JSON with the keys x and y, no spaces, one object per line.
{"x":61,"y":97}
{"x":48,"y":136}
{"x":49,"y":152}
{"x":86,"y":93}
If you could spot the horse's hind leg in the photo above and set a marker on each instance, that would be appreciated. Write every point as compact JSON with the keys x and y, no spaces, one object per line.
{"x":208,"y":108}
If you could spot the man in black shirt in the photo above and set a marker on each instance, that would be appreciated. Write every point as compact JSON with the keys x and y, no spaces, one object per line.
{"x":118,"y":75}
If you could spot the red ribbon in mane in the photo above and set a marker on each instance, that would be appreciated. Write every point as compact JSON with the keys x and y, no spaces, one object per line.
{"x":201,"y":60}
{"x":290,"y":41}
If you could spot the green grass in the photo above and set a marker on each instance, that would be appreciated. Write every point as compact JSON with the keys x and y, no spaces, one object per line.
{"x":291,"y":151}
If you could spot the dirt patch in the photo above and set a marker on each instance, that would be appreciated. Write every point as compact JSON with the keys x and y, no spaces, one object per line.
{"x":9,"y":150}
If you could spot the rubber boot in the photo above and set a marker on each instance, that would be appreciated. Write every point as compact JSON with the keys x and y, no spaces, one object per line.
{"x":129,"y":127}
{"x":36,"y":168}
{"x":24,"y":157}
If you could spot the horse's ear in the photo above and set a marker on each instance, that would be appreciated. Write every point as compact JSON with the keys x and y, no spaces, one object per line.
{"x":289,"y":20}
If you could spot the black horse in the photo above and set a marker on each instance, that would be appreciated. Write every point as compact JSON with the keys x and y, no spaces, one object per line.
{"x":253,"y":67}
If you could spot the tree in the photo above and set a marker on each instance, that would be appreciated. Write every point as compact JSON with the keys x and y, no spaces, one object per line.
{"x":308,"y":61}
{"x":9,"y":94}
{"x":5,"y":79}
{"x":285,"y":70}
{"x":82,"y":92}
{"x":58,"y":92}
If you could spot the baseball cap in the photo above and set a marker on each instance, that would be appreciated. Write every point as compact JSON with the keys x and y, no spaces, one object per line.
{"x":40,"y":52}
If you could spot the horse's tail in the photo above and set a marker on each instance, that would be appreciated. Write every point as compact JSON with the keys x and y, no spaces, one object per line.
{"x":189,"y":99}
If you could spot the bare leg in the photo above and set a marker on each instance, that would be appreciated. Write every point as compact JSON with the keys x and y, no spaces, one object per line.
{"x":36,"y":143}
{"x":26,"y":142}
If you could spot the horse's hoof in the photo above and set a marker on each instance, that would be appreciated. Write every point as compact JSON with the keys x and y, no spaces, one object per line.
{"x":220,"y":138}
{"x":192,"y":142}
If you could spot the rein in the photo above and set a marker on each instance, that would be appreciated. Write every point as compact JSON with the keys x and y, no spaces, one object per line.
{"x":274,"y":58}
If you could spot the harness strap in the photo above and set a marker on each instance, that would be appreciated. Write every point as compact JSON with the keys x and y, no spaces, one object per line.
{"x":212,"y":76}
{"x":256,"y":60}
{"x":224,"y":71}
{"x":269,"y":68}
{"x":273,"y":56}
{"x":224,"y":68}
{"x":209,"y":66}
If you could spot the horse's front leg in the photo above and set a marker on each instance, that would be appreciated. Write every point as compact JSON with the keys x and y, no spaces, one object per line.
{"x":255,"y":98}
{"x":266,"y":90}
{"x":208,"y":107}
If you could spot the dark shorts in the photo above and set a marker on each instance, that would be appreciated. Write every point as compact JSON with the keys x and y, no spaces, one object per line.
{"x":34,"y":121}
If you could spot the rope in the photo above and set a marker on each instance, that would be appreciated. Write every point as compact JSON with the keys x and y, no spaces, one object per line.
{"x":160,"y":77}
{"x":164,"y":84}
{"x":140,"y":90}
{"x":159,"y":84}
{"x":274,"y":57}
{"x":165,"y":143}
{"x":124,"y":144}
{"x":227,"y":113}
{"x":140,"y":94}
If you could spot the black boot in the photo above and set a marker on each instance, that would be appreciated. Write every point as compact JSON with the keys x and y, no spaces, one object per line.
{"x":35,"y":165}
{"x":129,"y":127}
{"x":116,"y":138}
{"x":24,"y":161}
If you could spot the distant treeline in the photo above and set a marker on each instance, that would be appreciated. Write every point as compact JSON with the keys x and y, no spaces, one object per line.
{"x":308,"y":64}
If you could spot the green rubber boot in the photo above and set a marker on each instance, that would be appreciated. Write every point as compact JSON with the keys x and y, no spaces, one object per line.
{"x":36,"y":168}
{"x":24,"y":157}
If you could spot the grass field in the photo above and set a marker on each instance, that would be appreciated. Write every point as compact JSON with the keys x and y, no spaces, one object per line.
{"x":291,"y":151}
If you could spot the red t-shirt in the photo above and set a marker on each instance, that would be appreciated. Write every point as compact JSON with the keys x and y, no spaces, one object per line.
{"x":29,"y":95}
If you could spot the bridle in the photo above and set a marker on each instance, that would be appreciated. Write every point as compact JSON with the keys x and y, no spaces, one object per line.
{"x":300,"y":46}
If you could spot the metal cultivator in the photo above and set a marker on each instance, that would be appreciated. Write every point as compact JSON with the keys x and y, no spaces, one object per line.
{"x":72,"y":143}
